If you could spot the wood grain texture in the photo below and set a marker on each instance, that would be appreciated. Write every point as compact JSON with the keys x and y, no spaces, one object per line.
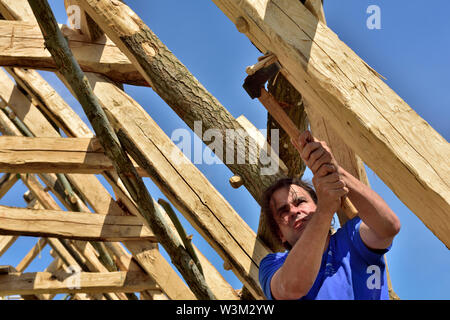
{"x":22,"y":45}
{"x":53,"y":155}
{"x":71,"y":225}
{"x":398,"y":145}
{"x":63,"y":282}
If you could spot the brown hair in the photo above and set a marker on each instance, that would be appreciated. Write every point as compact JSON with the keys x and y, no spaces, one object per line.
{"x":267,"y":196}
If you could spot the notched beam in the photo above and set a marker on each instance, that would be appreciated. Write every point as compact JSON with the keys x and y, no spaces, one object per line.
{"x":72,"y":225}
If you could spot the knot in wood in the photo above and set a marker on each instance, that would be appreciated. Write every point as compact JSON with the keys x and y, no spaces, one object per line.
{"x":149,"y":50}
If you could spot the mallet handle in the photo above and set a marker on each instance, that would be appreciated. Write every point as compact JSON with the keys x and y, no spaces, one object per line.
{"x":273,"y":107}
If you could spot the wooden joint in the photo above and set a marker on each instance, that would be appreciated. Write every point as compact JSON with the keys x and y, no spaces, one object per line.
{"x":236,"y":181}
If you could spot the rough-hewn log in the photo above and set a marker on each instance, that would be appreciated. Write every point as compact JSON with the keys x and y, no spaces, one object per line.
{"x":71,"y":71}
{"x":173,"y":82}
{"x":62,"y":282}
{"x":398,"y":145}
{"x":183,"y":184}
{"x":22,"y":45}
{"x":71,"y":225}
{"x":55,"y":155}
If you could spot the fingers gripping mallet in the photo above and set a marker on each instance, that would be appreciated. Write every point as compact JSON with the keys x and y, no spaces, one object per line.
{"x":254,"y":84}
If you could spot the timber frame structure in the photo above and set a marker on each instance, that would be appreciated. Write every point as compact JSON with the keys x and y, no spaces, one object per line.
{"x":42,"y":137}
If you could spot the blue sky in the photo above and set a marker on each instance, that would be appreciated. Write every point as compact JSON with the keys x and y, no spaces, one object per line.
{"x":411,"y":50}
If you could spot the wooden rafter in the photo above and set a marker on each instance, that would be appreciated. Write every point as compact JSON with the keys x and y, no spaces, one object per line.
{"x":72,"y":252}
{"x":72,"y":225}
{"x":53,"y":155}
{"x":371,"y":118}
{"x":222,"y":289}
{"x":22,"y":45}
{"x":50,"y":103}
{"x":63,"y":282}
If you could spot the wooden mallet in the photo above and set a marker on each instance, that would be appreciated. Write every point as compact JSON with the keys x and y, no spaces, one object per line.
{"x":254,"y":84}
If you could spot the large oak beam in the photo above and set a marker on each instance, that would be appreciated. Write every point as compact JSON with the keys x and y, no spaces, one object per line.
{"x":72,"y":225}
{"x":403,"y":149}
{"x":53,"y":155}
{"x":63,"y":282}
{"x":22,"y":45}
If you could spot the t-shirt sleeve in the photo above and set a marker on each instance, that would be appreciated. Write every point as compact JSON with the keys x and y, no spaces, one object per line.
{"x":267,"y":268}
{"x":368,"y":255}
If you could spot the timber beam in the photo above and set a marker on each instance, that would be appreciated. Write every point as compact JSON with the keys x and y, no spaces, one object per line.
{"x":53,"y":155}
{"x":395,"y":142}
{"x":182,"y":183}
{"x":72,"y":225}
{"x":63,"y":282}
{"x":22,"y":45}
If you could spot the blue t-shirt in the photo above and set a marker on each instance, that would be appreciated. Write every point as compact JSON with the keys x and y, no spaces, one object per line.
{"x":349,"y":269}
